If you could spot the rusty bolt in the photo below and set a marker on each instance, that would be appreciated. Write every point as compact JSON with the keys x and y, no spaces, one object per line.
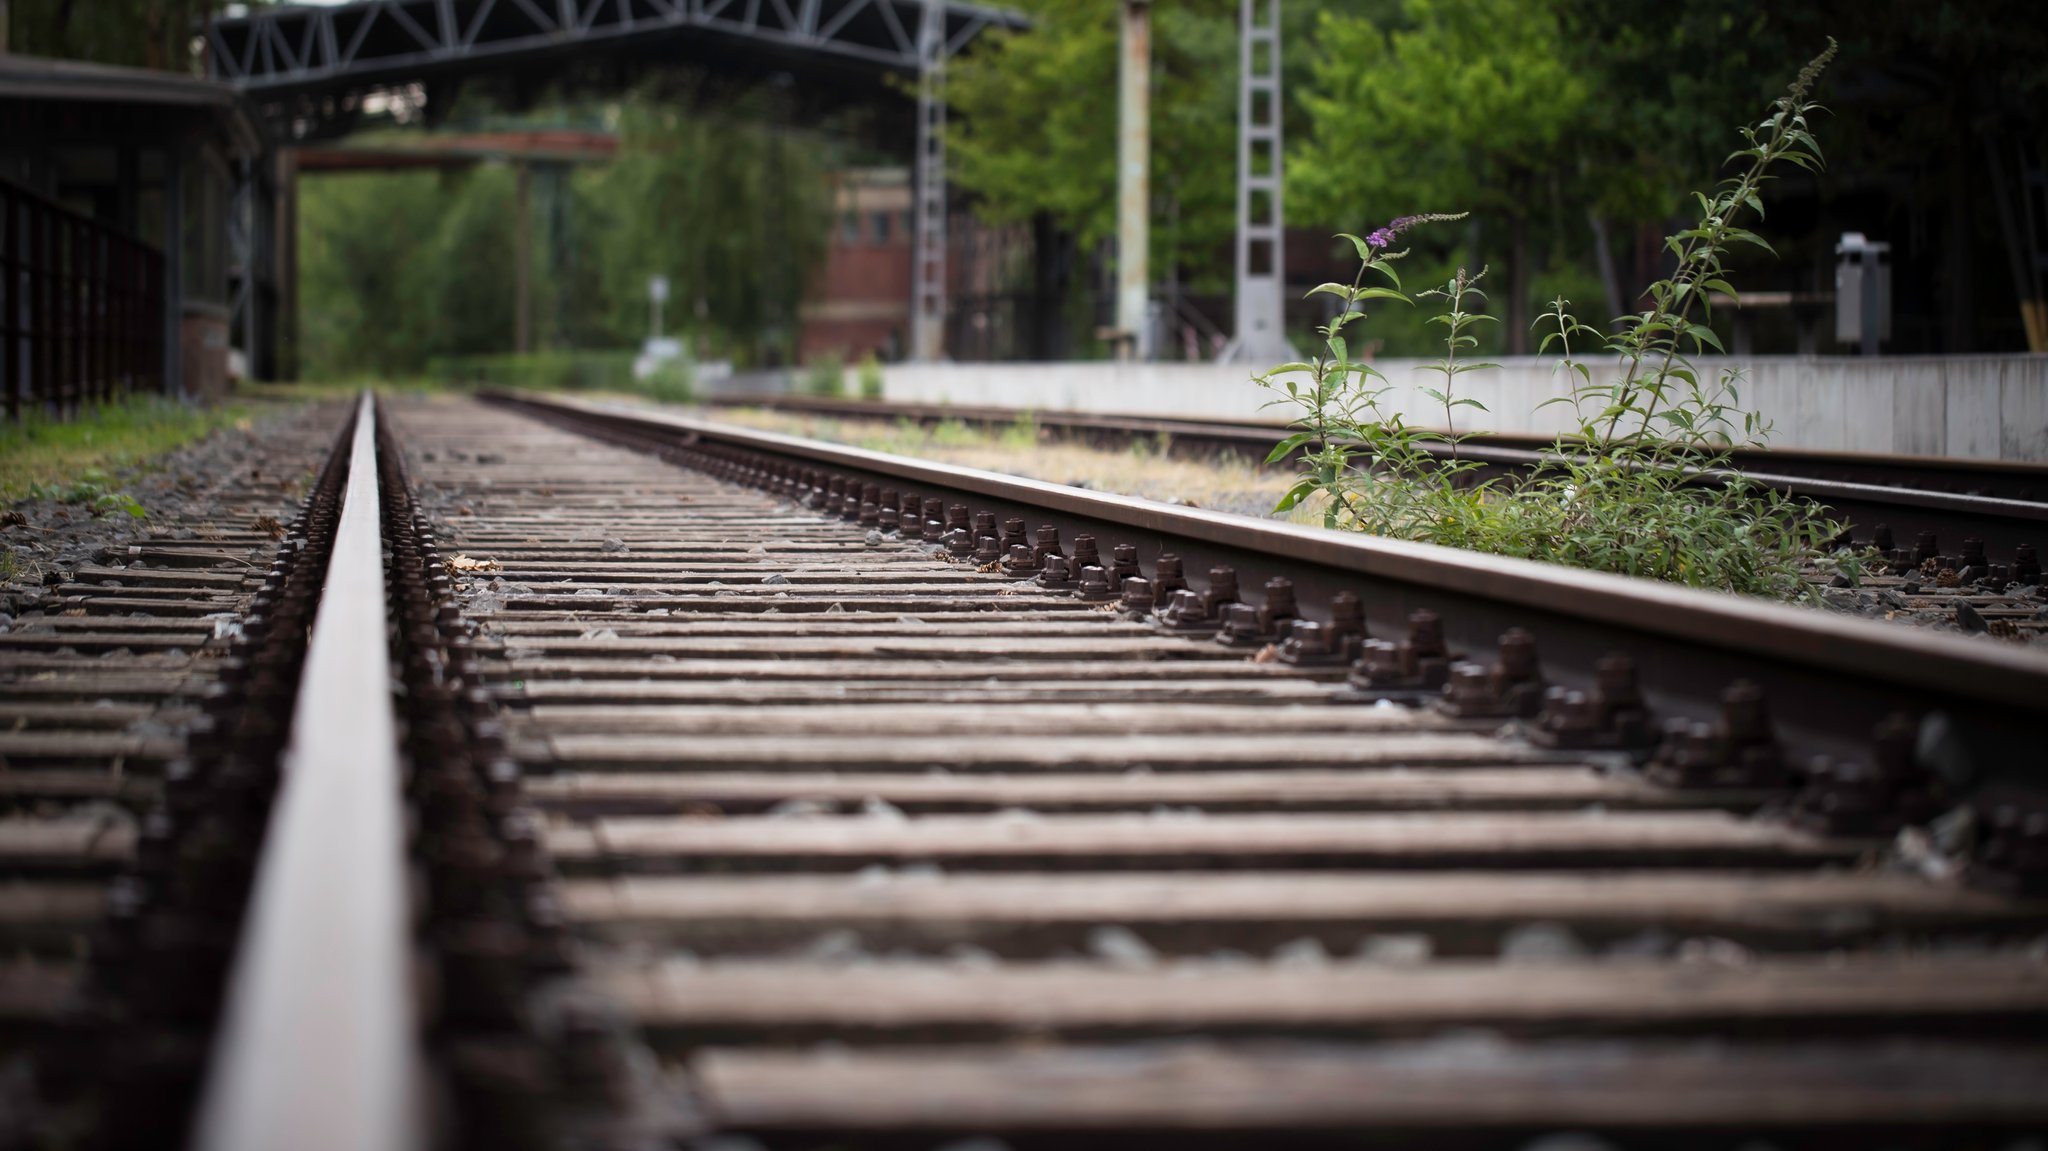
{"x":1167,"y":576}
{"x":1012,"y":535}
{"x":1137,"y":597}
{"x":1054,"y":574}
{"x":1123,"y":564}
{"x":1280,"y":601}
{"x":986,"y":551}
{"x":1347,"y":615}
{"x":1426,"y":634}
{"x":1048,"y":542}
{"x":1085,"y":554}
{"x":1095,"y":586}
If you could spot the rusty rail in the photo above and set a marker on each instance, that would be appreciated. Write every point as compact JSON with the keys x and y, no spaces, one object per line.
{"x":1831,"y":679}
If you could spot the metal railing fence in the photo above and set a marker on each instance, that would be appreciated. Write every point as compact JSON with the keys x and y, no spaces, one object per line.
{"x":81,"y":308}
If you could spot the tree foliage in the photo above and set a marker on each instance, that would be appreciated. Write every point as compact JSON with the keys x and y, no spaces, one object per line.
{"x":1464,"y":108}
{"x":1035,"y":125}
{"x":733,"y":208}
{"x":133,"y":33}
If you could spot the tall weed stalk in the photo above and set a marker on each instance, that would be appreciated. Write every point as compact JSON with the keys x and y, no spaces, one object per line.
{"x":1640,"y":486}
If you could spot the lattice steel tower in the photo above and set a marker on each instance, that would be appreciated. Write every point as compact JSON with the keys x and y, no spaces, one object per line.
{"x":1261,"y":332}
{"x":928,"y":274}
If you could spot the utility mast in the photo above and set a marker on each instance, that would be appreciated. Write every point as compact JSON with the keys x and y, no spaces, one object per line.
{"x":1134,"y":184}
{"x":1260,"y":336}
{"x":928,"y":274}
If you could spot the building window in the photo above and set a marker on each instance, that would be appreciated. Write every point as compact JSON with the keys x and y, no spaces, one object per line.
{"x":881,"y":221}
{"x":849,"y":228}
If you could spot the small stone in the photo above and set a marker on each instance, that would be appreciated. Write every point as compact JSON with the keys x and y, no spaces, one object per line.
{"x":1121,"y":947}
{"x":841,"y":945}
{"x":774,"y":577}
{"x":875,"y":807}
{"x":1306,"y":952}
{"x":873,"y":538}
{"x":1970,"y":620}
{"x":1540,"y":943}
{"x":1400,"y":949}
{"x":613,"y":544}
{"x":1840,"y":581}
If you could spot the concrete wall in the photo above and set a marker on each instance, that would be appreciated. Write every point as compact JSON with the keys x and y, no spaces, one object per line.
{"x":1978,"y":407}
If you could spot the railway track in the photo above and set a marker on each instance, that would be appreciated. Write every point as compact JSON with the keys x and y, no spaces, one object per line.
{"x":1910,"y":508}
{"x":748,"y":791}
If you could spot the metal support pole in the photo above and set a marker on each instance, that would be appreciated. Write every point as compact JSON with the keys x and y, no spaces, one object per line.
{"x":174,"y":271}
{"x":522,"y":259}
{"x":285,"y":318}
{"x":1134,"y":182}
{"x":1260,"y":335}
{"x":928,"y":275}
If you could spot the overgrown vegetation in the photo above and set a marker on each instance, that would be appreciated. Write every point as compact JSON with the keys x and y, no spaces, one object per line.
{"x":870,"y":377}
{"x":1625,"y":495}
{"x":717,"y":192}
{"x":43,"y":458}
{"x":825,"y":377}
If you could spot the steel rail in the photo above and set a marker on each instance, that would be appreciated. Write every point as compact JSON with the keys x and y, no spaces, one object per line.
{"x":2001,"y":502}
{"x":320,"y":1048}
{"x":2002,"y":479}
{"x":1829,"y":678}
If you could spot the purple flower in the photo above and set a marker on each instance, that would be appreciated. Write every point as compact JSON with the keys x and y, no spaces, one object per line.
{"x":1387,"y":235}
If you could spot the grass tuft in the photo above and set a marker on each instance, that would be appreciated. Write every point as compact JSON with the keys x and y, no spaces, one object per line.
{"x":73,"y":460}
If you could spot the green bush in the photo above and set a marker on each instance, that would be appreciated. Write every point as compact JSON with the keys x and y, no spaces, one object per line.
{"x":1626,"y":494}
{"x":825,"y":377}
{"x":870,"y":377}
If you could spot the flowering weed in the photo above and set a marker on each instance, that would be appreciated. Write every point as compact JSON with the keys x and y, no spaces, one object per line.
{"x":1641,"y":486}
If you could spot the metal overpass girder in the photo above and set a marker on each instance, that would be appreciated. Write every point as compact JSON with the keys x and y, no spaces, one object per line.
{"x":290,"y":51}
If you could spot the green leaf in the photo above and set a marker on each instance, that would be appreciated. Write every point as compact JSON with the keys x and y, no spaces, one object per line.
{"x":1364,"y":249}
{"x":1286,"y":447}
{"x":1301,"y":490}
{"x":1341,"y":291}
{"x":1383,"y":294}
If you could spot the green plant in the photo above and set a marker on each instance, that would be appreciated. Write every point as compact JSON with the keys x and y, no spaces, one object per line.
{"x":870,"y":374}
{"x":825,"y":376}
{"x":1641,"y":487}
{"x":93,"y":491}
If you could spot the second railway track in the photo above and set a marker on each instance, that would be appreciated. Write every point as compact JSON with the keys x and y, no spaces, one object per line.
{"x":748,"y":792}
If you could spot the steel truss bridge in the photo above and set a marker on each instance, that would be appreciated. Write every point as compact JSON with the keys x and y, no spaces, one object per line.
{"x":291,"y":51}
{"x":308,"y":70}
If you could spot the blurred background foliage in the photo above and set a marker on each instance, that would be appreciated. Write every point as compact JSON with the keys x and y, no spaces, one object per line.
{"x":1572,"y":130}
{"x":732,"y":205}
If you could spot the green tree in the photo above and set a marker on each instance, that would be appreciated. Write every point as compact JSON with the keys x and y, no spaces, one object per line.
{"x":732,"y":206}
{"x":1471,"y":106}
{"x":1035,"y":126}
{"x":134,"y":33}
